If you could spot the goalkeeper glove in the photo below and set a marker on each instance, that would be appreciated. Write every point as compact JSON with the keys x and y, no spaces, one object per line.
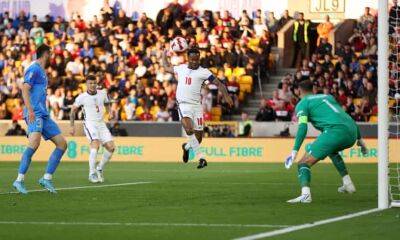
{"x":289,"y":160}
{"x":361,"y":144}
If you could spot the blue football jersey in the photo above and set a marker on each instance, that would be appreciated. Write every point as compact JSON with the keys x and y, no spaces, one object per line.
{"x":35,"y":76}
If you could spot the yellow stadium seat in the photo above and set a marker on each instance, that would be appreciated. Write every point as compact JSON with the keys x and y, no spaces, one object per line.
{"x":10,"y":103}
{"x":123,"y":116}
{"x":245,"y":87}
{"x":392,"y":102}
{"x":213,"y":70}
{"x":123,"y":102}
{"x":363,"y":61}
{"x":18,"y":63}
{"x":83,"y":86}
{"x":216,"y":111}
{"x":246,"y":79}
{"x":154,"y":110}
{"x":228,"y":72}
{"x":50,"y":36}
{"x":216,"y":118}
{"x":237,"y":72}
{"x":139,"y":111}
{"x":357,"y":101}
{"x":373,"y":119}
{"x":254,"y":41}
{"x":242,"y":96}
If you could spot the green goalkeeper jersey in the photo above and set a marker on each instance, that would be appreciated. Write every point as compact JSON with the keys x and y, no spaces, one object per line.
{"x":323,"y":112}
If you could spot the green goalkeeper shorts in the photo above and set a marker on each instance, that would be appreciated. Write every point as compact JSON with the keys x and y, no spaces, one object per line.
{"x":332,"y":141}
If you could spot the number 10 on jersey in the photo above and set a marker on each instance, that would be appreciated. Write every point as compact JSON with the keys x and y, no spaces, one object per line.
{"x":188,"y":80}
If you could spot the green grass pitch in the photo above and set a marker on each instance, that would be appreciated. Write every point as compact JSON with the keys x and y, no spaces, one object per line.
{"x":223,"y":201}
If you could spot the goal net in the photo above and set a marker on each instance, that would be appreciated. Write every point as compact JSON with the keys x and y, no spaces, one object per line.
{"x":394,"y":105}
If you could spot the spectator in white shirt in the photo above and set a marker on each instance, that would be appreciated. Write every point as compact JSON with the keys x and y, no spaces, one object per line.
{"x":75,"y":67}
{"x":140,"y":70}
{"x":259,"y":27}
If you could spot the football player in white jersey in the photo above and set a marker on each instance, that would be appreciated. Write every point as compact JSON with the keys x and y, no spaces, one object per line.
{"x":93,"y":103}
{"x":191,"y":78}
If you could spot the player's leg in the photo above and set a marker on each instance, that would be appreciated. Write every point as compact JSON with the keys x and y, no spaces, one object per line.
{"x":109,"y":148}
{"x":52,"y":131}
{"x":348,"y":186}
{"x":199,"y":137}
{"x":187,"y":125}
{"x":193,"y":142}
{"x":304,"y":175}
{"x":193,"y":125}
{"x":198,"y":126}
{"x":345,"y":138}
{"x":94,"y":148}
{"x":318,"y":150}
{"x":34,"y":137}
{"x":186,"y":115}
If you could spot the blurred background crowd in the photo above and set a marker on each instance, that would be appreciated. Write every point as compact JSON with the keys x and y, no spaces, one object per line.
{"x":128,"y":57}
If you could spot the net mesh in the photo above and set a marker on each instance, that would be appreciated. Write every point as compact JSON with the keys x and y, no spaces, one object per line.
{"x":394,"y":104}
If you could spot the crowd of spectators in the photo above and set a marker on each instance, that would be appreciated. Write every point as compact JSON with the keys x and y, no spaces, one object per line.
{"x":127,"y":54}
{"x":349,"y":73}
{"x":128,"y":57}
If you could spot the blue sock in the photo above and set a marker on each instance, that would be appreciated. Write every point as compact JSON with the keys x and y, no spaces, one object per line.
{"x":54,"y":160}
{"x":26,"y":160}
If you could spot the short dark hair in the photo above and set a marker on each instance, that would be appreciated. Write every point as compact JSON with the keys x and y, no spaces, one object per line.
{"x":193,"y":51}
{"x":41,"y":50}
{"x":90,"y":77}
{"x":306,"y":85}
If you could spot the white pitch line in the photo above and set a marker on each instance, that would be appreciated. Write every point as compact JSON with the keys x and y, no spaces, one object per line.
{"x":144,"y":224}
{"x":266,"y":183}
{"x":307,"y":225}
{"x":82,"y":187}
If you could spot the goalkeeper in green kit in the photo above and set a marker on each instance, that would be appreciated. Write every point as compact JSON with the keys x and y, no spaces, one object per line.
{"x":338,"y":132}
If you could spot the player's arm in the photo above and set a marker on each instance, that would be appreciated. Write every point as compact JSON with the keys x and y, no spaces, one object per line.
{"x":26,"y":94}
{"x":301,"y":134}
{"x":222,"y":89}
{"x":166,"y":63}
{"x":72,"y":114}
{"x":74,"y":108}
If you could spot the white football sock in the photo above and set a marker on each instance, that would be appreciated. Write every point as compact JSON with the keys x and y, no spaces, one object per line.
{"x":195,"y":145}
{"x":187,"y":146}
{"x":20,"y":177}
{"x":92,"y":161}
{"x":106,"y":157}
{"x":305,"y":190}
{"x":48,"y":176}
{"x":347,"y":180}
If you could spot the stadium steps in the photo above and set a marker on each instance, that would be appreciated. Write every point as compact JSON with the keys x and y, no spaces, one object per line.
{"x":253,"y":101}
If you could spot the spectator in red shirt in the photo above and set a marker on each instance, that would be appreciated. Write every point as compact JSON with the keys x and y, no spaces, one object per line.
{"x":342,"y":98}
{"x":146,"y":115}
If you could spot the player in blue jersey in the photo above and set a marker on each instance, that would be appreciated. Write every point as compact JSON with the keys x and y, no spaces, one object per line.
{"x":39,"y":123}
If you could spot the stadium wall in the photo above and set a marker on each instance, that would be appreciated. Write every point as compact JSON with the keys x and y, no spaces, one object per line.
{"x":315,"y":9}
{"x":145,"y":149}
{"x":174,"y":129}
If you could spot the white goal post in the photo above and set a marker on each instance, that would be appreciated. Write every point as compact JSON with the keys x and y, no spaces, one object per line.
{"x":388,"y":105}
{"x":383,"y":108}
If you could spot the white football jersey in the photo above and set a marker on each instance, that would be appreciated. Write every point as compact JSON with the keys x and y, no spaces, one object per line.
{"x":190,"y":82}
{"x":93,"y":105}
